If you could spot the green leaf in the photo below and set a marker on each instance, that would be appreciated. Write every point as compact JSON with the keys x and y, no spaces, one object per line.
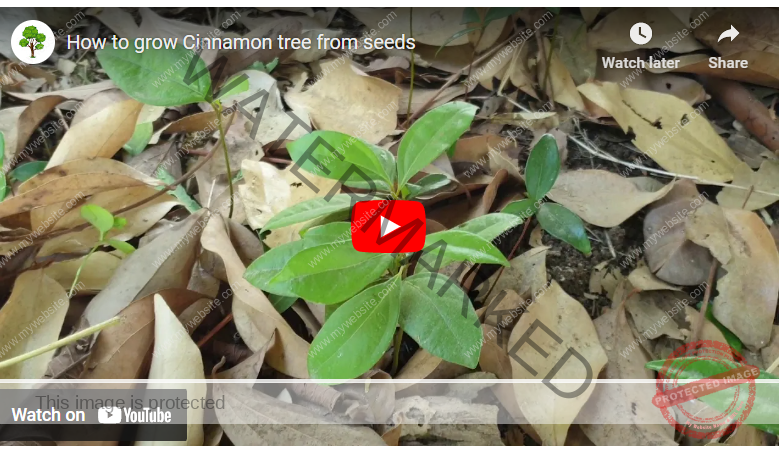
{"x":239,"y":88}
{"x":432,"y":135}
{"x":490,"y":226}
{"x":344,"y":152}
{"x":140,"y":139}
{"x":765,"y":406}
{"x":730,"y":337}
{"x":121,"y":246}
{"x":499,"y":13}
{"x":470,"y":15}
{"x":331,"y":273}
{"x":27,"y":170}
{"x":281,"y":303}
{"x":455,"y":36}
{"x":542,"y":167}
{"x":357,"y":334}
{"x":329,"y":233}
{"x":326,"y":219}
{"x":524,"y":209}
{"x":462,"y":245}
{"x":427,"y":184}
{"x":309,"y":210}
{"x":563,"y":224}
{"x":179,"y":192}
{"x":156,"y":77}
{"x":98,"y":217}
{"x":120,"y":222}
{"x":435,"y":319}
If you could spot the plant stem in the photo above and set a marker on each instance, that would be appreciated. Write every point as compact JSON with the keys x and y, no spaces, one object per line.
{"x":218,"y":107}
{"x":60,"y":343}
{"x":411,"y":85}
{"x":399,"y":335}
{"x":78,"y":272}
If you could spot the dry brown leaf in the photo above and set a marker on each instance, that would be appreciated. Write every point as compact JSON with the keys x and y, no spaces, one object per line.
{"x":65,"y":189}
{"x":624,"y":403}
{"x":670,"y":255}
{"x":36,"y":310}
{"x":747,"y":294}
{"x":166,"y":263}
{"x":602,"y":198}
{"x":424,"y":365}
{"x":644,"y":279}
{"x":249,"y":368}
{"x":431,"y":26}
{"x":610,"y":32}
{"x":352,"y":103}
{"x":80,"y":166}
{"x":95,"y":275}
{"x":709,"y":330}
{"x":559,"y":84}
{"x":250,"y":417}
{"x":650,"y":319}
{"x":97,"y":103}
{"x":177,"y":357}
{"x":32,"y":117}
{"x":566,"y":317}
{"x":100,"y":135}
{"x":493,"y":357}
{"x":526,"y":275}
{"x":265,"y":192}
{"x":769,"y":354}
{"x":765,"y":179}
{"x":74,"y":93}
{"x":255,"y":317}
{"x":684,"y":141}
{"x":124,"y":351}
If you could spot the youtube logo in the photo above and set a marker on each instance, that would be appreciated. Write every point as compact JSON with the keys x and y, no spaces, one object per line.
{"x":388,"y":226}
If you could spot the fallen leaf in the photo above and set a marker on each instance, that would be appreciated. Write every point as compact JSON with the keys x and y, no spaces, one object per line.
{"x":769,"y":354}
{"x":431,"y":26}
{"x":74,"y":93}
{"x":249,"y":368}
{"x":424,"y":365}
{"x":94,"y":276}
{"x":35,"y":310}
{"x":764,"y":179}
{"x":644,"y":279}
{"x":747,"y":294}
{"x":650,"y":319}
{"x":602,"y":198}
{"x":100,"y":135}
{"x":177,"y":357}
{"x":575,"y":52}
{"x":567,"y":319}
{"x":668,"y":130}
{"x":709,"y":330}
{"x":610,"y":32}
{"x":628,"y":417}
{"x":255,"y":316}
{"x":250,"y":416}
{"x":32,"y":117}
{"x":559,"y":83}
{"x":669,"y":254}
{"x":265,"y":192}
{"x":124,"y":351}
{"x":348,"y":102}
{"x":526,"y":275}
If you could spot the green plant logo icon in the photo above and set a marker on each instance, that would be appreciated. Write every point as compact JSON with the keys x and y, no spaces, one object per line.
{"x":32,"y":39}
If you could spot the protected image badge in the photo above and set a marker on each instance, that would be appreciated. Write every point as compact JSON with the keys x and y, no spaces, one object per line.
{"x":32,"y":42}
{"x":109,"y":415}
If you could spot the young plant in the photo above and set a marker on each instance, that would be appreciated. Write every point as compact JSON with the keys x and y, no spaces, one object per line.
{"x":104,"y":222}
{"x":541,"y":171}
{"x":373,"y":294}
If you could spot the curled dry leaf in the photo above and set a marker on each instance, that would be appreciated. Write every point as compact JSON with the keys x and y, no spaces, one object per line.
{"x":610,"y":32}
{"x":32,"y":117}
{"x":177,"y":357}
{"x":670,"y":255}
{"x":679,"y":138}
{"x":538,"y":402}
{"x":36,"y":309}
{"x":624,"y":403}
{"x":765,"y":179}
{"x":124,"y":351}
{"x":100,"y":135}
{"x":602,"y":198}
{"x":251,"y":417}
{"x":348,"y":102}
{"x":255,"y":316}
{"x":747,"y":294}
{"x":644,"y":279}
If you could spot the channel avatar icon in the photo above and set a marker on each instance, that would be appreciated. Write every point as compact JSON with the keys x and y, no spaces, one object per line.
{"x":386,"y":226}
{"x":32,"y":42}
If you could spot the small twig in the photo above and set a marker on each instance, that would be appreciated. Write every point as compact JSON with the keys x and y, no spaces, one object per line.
{"x":60,"y":343}
{"x":750,"y":192}
{"x":276,"y":160}
{"x":216,"y":329}
{"x":707,"y":293}
{"x":62,"y":118}
{"x":511,"y":253}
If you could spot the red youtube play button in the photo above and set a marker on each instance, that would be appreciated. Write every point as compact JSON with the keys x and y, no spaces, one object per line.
{"x":388,"y":226}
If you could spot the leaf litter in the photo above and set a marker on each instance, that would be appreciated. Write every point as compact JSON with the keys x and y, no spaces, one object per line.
{"x":661,"y":176}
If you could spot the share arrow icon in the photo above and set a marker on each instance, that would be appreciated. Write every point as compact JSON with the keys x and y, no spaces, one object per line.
{"x":732,"y":33}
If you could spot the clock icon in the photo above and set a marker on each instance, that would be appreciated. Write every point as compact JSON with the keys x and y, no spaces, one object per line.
{"x":641,"y":33}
